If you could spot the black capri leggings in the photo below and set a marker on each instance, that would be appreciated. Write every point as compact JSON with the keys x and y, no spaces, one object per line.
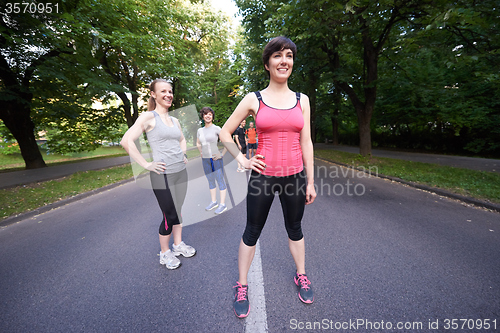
{"x":261,"y":190}
{"x":170,"y":191}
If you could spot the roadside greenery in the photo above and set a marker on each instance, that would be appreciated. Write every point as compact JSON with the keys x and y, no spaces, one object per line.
{"x":402,"y":74}
{"x":476,"y":184}
{"x":29,"y":197}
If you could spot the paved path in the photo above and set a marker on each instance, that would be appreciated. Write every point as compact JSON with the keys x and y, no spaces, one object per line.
{"x":378,"y":253}
{"x":21,"y":177}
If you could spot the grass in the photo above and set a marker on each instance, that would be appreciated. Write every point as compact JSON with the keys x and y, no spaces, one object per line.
{"x":477,"y":184}
{"x":16,"y":162}
{"x":29,"y":197}
{"x":26,"y":198}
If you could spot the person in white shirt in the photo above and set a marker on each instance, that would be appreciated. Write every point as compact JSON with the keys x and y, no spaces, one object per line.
{"x":213,"y":164}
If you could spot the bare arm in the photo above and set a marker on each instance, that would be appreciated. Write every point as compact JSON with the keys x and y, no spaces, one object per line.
{"x":307,"y":149}
{"x":128,"y":142}
{"x":219,"y":155}
{"x":248,"y":105}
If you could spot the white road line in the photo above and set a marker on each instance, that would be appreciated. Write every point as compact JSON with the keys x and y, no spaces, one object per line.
{"x":256,"y":322}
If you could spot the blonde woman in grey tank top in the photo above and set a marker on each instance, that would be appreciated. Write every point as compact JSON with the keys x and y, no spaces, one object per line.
{"x":167,"y":170}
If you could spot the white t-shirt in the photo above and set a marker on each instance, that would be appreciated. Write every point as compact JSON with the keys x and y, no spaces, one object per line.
{"x":208,"y":137}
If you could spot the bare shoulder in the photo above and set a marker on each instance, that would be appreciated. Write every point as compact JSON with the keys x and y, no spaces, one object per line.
{"x":145,"y":116}
{"x":145,"y":120}
{"x":250,"y":97}
{"x":250,"y":103}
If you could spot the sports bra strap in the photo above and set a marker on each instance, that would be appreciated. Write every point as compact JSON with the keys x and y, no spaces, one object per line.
{"x":298,"y":95}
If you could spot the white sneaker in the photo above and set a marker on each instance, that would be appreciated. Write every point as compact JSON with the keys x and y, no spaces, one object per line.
{"x":212,"y":205}
{"x":169,"y":259}
{"x":186,"y":250}
{"x":222,"y":208}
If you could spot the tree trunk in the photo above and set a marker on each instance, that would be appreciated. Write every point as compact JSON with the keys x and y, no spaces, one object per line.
{"x":365,"y":139}
{"x":135,"y":106}
{"x":335,"y":128}
{"x":18,"y":121}
{"x":127,"y":108}
{"x":364,"y":112}
{"x":335,"y":117}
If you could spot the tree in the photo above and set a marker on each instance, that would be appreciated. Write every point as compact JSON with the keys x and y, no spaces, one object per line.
{"x":351,"y":35}
{"x":438,"y":90}
{"x":27,"y":43}
{"x":54,"y":66}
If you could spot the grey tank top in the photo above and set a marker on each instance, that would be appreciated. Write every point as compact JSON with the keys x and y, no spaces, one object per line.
{"x":164,"y":141}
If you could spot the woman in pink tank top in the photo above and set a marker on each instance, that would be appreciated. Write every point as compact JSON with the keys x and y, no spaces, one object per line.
{"x":283,"y":165}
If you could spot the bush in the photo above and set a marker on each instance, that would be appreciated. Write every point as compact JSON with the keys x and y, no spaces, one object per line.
{"x":9,"y":147}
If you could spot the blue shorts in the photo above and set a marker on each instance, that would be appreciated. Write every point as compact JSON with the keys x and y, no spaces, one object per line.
{"x":252,"y":146}
{"x":214,"y":170}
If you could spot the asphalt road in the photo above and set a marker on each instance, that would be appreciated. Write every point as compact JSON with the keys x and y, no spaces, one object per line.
{"x":377,"y":252}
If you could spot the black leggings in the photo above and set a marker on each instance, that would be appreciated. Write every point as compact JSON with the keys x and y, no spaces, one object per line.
{"x":170,"y":191}
{"x":261,"y":191}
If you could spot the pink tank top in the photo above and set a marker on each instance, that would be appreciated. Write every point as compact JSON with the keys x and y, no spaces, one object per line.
{"x":278,"y":131}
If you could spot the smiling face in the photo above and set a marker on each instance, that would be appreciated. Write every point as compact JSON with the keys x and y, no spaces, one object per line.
{"x":163,"y":94}
{"x":277,"y":44}
{"x":208,"y":117}
{"x":280,"y":64}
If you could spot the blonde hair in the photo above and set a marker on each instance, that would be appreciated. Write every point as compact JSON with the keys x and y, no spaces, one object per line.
{"x":151,"y":101}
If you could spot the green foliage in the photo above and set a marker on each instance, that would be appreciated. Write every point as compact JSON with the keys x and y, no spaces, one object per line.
{"x":25,"y":198}
{"x":108,"y":51}
{"x":9,"y":147}
{"x":435,"y":74}
{"x":436,"y":88}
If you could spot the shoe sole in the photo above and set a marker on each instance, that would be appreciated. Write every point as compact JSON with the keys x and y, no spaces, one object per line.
{"x":243,"y":315}
{"x":222,"y":211}
{"x":306,"y":302}
{"x":211,"y":208}
{"x":180,"y":264}
{"x":184,"y":255}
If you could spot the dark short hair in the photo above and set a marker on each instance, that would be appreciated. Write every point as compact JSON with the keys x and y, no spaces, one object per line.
{"x":277,"y":44}
{"x":205,"y":110}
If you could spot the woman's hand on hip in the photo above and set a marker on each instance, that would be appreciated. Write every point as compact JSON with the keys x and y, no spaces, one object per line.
{"x":157,"y":167}
{"x":256,"y":163}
